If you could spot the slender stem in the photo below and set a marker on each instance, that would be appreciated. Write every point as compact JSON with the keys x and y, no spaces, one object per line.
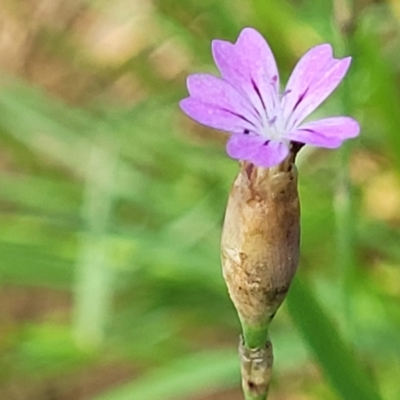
{"x":93,"y":289}
{"x":255,"y":336}
{"x":345,"y":261}
{"x":249,"y":396}
{"x":256,"y":360}
{"x":256,"y":370}
{"x":343,"y":204}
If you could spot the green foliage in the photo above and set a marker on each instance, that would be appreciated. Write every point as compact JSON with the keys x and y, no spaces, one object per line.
{"x":335,"y":358}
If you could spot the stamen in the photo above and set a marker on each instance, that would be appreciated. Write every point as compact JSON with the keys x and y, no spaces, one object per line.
{"x":272,"y":120}
{"x":266,"y":143}
{"x":246,"y":131}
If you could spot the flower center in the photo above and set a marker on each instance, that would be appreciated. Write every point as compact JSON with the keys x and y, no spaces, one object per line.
{"x":272,"y":120}
{"x":272,"y":124}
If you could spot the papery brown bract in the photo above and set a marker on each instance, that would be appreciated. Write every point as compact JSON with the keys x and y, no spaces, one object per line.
{"x":260,"y":240}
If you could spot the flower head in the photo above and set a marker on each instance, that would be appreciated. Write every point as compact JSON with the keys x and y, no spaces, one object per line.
{"x":247,"y":102}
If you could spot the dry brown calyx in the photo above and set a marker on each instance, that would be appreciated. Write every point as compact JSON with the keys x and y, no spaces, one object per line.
{"x":260,"y":239}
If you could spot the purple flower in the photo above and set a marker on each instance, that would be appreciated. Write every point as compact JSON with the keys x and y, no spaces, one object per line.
{"x":247,"y":101}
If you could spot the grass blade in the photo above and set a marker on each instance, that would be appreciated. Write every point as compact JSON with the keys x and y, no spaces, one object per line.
{"x":337,"y":361}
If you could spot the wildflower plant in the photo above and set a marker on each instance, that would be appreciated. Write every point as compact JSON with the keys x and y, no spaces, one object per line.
{"x":267,"y":127}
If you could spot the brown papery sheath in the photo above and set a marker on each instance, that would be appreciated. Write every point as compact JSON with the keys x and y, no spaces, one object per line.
{"x":260,"y":239}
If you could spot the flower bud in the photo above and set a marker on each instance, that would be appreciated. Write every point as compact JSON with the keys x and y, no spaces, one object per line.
{"x":260,"y":240}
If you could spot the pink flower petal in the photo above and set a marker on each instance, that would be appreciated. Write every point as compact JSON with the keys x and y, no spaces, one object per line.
{"x":250,"y":65}
{"x":256,"y":150}
{"x":328,"y":132}
{"x":214,"y":91}
{"x":321,"y":90}
{"x":314,"y":78}
{"x":214,"y":117}
{"x":307,"y":70}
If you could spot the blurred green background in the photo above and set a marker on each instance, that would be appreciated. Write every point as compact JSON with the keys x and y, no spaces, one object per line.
{"x":111,"y":205}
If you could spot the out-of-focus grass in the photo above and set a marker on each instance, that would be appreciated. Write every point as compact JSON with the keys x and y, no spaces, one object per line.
{"x":111,"y":203}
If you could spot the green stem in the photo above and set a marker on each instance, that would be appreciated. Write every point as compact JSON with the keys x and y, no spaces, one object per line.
{"x":345,"y":256}
{"x":93,"y":288}
{"x":249,"y":396}
{"x":343,"y":202}
{"x":255,"y":337}
{"x":255,"y":363}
